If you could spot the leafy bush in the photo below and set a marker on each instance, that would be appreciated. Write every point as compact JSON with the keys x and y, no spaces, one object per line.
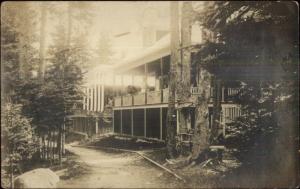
{"x":17,"y":135}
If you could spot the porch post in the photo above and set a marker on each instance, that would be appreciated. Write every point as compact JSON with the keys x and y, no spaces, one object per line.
{"x":145,"y":124}
{"x":122,"y":89}
{"x":146,"y":82}
{"x":113,"y":121}
{"x":160,"y":121}
{"x":121,"y":129}
{"x":131,"y":122}
{"x":96,"y":125}
{"x":161,"y":80}
{"x":132,"y":82}
{"x":177,"y":121}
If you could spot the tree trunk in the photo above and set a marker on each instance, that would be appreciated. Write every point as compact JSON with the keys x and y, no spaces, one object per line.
{"x":43,"y":148}
{"x":63,"y":139}
{"x":183,"y":90}
{"x":11,"y":173}
{"x":42,"y":41}
{"x":59,"y":144}
{"x":21,"y":57}
{"x":201,"y":133}
{"x":53,"y":146}
{"x":48,"y":145}
{"x":171,"y":117}
{"x":69,"y":25}
{"x":216,"y":109}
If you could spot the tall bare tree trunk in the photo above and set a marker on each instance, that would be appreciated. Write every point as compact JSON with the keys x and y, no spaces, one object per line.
{"x":43,"y":146}
{"x":183,"y":90}
{"x":185,"y":81}
{"x":217,"y":95}
{"x":63,"y":138}
{"x":42,"y":41}
{"x":59,"y":144}
{"x":21,"y":57}
{"x":48,"y":144}
{"x":69,"y":24}
{"x":201,"y":133}
{"x":171,"y":117}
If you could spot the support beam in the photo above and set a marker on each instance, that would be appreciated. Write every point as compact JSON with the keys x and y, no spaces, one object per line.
{"x":121,"y":129}
{"x":160,"y":121}
{"x":102,"y":100}
{"x":96,"y":125}
{"x":122,"y":89}
{"x":93,"y":98}
{"x":88,"y":99}
{"x":84,"y":99}
{"x":113,"y":121}
{"x":146,"y":82}
{"x":161,"y":80}
{"x":145,"y":122}
{"x":131,"y":122}
{"x":177,"y":121}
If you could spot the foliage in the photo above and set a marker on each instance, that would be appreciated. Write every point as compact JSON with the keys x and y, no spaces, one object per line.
{"x":255,"y":33}
{"x":250,"y":32}
{"x":133,"y":89}
{"x":64,"y":76}
{"x":17,"y":39}
{"x":18,"y":136}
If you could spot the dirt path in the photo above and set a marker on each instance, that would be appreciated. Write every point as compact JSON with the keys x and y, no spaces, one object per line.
{"x":117,"y":170}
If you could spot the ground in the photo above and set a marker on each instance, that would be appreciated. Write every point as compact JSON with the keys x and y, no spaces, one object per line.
{"x":108,"y":169}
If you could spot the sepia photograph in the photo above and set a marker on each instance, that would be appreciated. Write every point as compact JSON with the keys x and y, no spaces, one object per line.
{"x":150,"y":94}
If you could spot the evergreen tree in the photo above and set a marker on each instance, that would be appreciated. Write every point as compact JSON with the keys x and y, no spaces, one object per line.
{"x":17,"y":135}
{"x":257,"y":34}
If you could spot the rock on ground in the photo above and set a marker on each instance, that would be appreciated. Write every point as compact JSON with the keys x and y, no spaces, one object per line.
{"x":37,"y":178}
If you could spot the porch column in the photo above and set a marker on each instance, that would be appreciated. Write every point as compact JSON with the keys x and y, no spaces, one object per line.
{"x":96,"y":125}
{"x":146,"y":82}
{"x":121,"y":129}
{"x":131,"y":122}
{"x":113,"y":121}
{"x":92,"y":98}
{"x":84,"y":100}
{"x":177,"y":121}
{"x":122,"y":89}
{"x":145,"y":122}
{"x":160,"y":121}
{"x":161,"y":80}
{"x":87,"y":98}
{"x":132,"y":96}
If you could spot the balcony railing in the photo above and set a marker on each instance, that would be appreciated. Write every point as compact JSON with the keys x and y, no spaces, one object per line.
{"x":127,"y":100}
{"x":118,"y":101}
{"x":227,"y":94}
{"x":139,"y":99}
{"x":154,"y":97}
{"x":162,"y":97}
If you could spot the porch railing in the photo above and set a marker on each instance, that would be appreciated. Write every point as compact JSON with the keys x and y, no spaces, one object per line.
{"x":127,"y":100}
{"x":118,"y":101}
{"x":157,"y":97}
{"x":139,"y":99}
{"x":153,"y":97}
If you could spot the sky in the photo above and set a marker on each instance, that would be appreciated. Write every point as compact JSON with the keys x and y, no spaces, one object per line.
{"x":116,"y":17}
{"x":119,"y":17}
